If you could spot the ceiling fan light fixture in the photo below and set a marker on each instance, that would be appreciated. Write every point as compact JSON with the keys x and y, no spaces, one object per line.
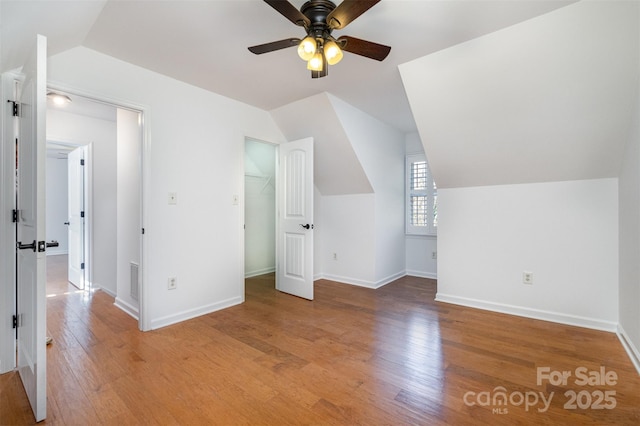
{"x":58,"y":98}
{"x":332,"y":52}
{"x":307,"y":48}
{"x":316,"y":63}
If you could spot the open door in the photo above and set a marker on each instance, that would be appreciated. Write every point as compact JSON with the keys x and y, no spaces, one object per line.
{"x":295,"y":219}
{"x":31,"y":246}
{"x":76,"y":222}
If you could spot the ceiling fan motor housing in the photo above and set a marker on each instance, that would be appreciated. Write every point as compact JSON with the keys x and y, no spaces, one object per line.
{"x":317,"y":12}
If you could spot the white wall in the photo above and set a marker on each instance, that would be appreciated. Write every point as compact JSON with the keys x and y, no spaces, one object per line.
{"x":419,"y":252}
{"x":101,"y":134}
{"x":419,"y":249}
{"x":260,"y":208}
{"x":361,"y":236}
{"x":319,"y":253}
{"x":629,"y":234}
{"x":337,"y":170}
{"x":57,"y":204}
{"x":566,"y":233}
{"x":380,"y":149}
{"x":348,"y":230}
{"x":128,"y":207}
{"x":546,"y":100}
{"x":194,"y":148}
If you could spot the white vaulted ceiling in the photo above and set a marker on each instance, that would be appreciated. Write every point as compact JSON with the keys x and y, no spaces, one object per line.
{"x":550,"y":99}
{"x":204,"y":43}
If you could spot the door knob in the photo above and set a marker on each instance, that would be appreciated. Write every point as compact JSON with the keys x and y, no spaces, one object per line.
{"x":306,"y":226}
{"x":31,"y":246}
{"x":67,"y":223}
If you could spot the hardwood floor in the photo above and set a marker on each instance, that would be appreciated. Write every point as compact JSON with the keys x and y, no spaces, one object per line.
{"x":352,"y":356}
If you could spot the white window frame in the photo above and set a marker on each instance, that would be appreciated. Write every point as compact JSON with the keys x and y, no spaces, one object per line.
{"x":430,"y":192}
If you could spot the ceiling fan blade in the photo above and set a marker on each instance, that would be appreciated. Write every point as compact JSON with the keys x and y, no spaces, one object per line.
{"x":364,"y":48}
{"x":289,"y":11}
{"x":274,"y":45}
{"x":347,"y":11}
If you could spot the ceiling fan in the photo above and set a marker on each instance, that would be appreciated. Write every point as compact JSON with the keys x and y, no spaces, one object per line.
{"x":319,"y":18}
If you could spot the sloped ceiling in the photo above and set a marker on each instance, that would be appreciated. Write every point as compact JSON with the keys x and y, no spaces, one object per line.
{"x":204,"y":43}
{"x":549,"y":99}
{"x":65,"y":23}
{"x":337,"y":170}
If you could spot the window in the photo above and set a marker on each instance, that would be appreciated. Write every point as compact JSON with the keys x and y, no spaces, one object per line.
{"x":421,"y":197}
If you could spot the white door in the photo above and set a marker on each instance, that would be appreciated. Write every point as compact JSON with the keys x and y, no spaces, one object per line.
{"x":76,"y":222}
{"x":295,"y":219}
{"x":31,"y":268}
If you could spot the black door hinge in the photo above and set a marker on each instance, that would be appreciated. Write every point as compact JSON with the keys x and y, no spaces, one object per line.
{"x":15,"y":108}
{"x":142,"y":231}
{"x":15,"y":216}
{"x":82,"y":265}
{"x":15,"y":321}
{"x":81,"y":214}
{"x":82,"y":161}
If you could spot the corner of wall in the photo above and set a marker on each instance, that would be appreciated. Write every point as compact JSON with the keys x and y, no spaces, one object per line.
{"x":629,"y":347}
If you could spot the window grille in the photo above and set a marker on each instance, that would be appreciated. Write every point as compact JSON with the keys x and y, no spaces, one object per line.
{"x":422,"y":206}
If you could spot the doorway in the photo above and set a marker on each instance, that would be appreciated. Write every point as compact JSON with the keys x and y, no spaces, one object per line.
{"x":260,"y":208}
{"x":67,"y":213}
{"x":288,"y":216}
{"x":112,"y":136}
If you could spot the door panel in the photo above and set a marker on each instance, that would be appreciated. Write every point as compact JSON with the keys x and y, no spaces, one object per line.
{"x":76,"y":232}
{"x":31,"y":262}
{"x":295,"y":223}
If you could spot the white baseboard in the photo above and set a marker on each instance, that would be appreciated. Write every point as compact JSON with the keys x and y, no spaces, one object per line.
{"x":520,"y":311}
{"x":361,"y":283}
{"x":628,"y":345}
{"x":259,"y":272}
{"x":195,"y":312}
{"x":96,"y":287}
{"x":129,"y":309}
{"x":422,"y":274}
{"x":390,"y":279}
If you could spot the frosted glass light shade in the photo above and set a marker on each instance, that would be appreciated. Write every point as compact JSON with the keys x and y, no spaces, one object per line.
{"x":332,"y":52}
{"x":316,"y":62}
{"x":307,"y":48}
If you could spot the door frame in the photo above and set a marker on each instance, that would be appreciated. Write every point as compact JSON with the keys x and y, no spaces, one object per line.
{"x":144,"y":322}
{"x":244,"y":203}
{"x":88,"y":192}
{"x":8,"y":360}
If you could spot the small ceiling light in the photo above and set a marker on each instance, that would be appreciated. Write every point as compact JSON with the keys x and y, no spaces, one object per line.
{"x":58,"y":98}
{"x":332,"y":52}
{"x":307,"y":48}
{"x":316,"y":63}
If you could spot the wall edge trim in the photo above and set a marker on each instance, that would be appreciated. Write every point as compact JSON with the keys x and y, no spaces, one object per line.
{"x":360,"y":283}
{"x":422,"y":274}
{"x":521,"y":311}
{"x":127,"y":308}
{"x":629,"y":347}
{"x":195,"y":312}
{"x":258,"y":272}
